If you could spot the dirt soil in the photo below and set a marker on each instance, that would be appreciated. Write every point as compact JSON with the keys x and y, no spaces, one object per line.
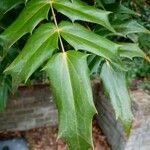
{"x":45,"y":138}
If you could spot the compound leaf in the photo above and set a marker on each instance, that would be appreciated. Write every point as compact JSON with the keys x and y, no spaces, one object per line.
{"x":69,"y":80}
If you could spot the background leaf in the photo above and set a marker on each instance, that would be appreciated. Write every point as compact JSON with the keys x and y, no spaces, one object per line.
{"x":5,"y":81}
{"x":115,"y":84}
{"x":6,"y":5}
{"x":99,"y":3}
{"x":3,"y":93}
{"x":130,"y":27}
{"x":124,"y":29}
{"x":94,"y":64}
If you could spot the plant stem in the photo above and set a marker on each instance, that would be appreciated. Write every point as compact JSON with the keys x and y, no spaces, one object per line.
{"x":56,"y":24}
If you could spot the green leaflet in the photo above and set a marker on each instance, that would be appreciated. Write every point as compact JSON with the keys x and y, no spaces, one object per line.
{"x":69,"y":80}
{"x":83,"y":39}
{"x":78,"y":10}
{"x":34,"y":12}
{"x":38,"y":49}
{"x":115,"y":84}
{"x":6,"y":5}
{"x":130,"y":50}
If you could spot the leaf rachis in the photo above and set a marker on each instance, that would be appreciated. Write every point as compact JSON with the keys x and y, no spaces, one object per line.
{"x":57,"y":28}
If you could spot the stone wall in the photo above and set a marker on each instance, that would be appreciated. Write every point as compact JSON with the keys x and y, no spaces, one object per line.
{"x":139,"y":138}
{"x":30,"y":107}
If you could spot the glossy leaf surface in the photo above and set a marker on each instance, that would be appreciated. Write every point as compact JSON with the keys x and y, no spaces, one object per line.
{"x":69,"y":80}
{"x":78,"y":10}
{"x":83,"y":39}
{"x":38,"y":49}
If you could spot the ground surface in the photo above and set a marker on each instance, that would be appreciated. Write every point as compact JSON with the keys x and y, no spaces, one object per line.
{"x":45,"y":138}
